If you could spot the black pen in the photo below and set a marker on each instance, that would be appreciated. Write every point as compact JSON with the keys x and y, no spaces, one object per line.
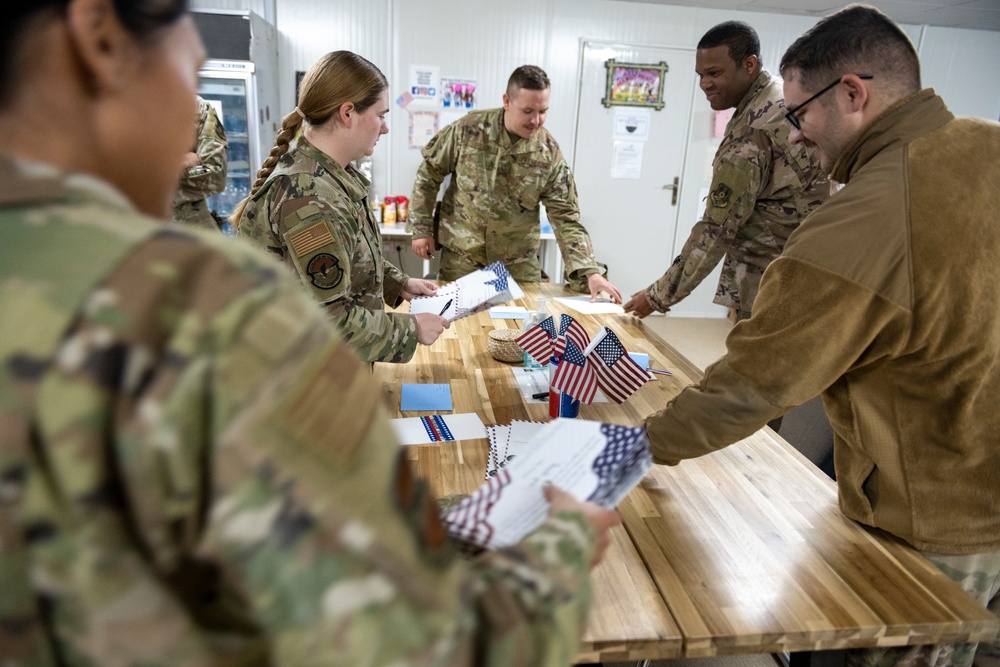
{"x":540,"y":395}
{"x":445,"y":309}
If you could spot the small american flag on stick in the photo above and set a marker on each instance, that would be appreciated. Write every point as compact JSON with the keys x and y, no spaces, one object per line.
{"x":618,"y":375}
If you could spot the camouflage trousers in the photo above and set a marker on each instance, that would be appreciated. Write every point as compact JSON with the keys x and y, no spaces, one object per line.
{"x":455,"y":265}
{"x":978,"y":575}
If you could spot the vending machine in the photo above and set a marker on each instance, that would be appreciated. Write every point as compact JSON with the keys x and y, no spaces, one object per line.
{"x":240,"y":80}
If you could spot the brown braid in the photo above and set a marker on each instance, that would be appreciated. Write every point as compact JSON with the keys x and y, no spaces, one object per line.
{"x":290,"y":125}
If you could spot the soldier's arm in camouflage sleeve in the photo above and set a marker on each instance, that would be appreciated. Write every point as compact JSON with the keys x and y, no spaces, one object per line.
{"x":306,"y":541}
{"x":374,"y":579}
{"x":281,"y":212}
{"x":209,"y":177}
{"x":393,"y":282}
{"x":326,"y":271}
{"x":737,"y":179}
{"x":563,"y":209}
{"x":440,"y":156}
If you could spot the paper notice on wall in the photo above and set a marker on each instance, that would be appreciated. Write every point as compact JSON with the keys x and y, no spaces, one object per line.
{"x":425,"y":82}
{"x":631,"y":124}
{"x":626,"y":161}
{"x":423,"y":126}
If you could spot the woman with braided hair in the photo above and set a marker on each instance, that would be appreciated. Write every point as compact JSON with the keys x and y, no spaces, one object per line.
{"x":309,"y":206}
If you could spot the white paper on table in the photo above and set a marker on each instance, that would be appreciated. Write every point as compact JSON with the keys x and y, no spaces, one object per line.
{"x":469,"y":294}
{"x":582,"y":304}
{"x":414,"y":430}
{"x":535,"y":382}
{"x":508,"y":312}
{"x":531,"y":382}
{"x":520,"y":434}
{"x":590,"y":460}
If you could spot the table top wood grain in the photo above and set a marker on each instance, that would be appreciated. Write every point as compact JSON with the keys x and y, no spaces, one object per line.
{"x":741,"y":551}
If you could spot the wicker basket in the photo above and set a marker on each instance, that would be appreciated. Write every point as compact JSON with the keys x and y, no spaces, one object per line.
{"x":501,"y":346}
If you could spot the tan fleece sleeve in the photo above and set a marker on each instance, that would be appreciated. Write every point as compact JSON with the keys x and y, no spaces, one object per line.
{"x":810,"y":327}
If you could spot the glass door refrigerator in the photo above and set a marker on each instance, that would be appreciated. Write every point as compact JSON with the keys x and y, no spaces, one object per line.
{"x":229,"y":87}
{"x":240,"y":80}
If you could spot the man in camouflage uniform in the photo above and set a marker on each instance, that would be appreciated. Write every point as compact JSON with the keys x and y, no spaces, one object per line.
{"x":204,"y":170}
{"x":197,"y":470}
{"x":503,"y":164}
{"x":762,"y":185}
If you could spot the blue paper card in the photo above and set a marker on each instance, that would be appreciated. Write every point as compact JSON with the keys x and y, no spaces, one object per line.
{"x":425,"y":397}
{"x":640,"y":358}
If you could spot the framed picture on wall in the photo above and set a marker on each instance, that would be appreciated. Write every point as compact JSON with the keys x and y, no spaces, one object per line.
{"x":634,"y":84}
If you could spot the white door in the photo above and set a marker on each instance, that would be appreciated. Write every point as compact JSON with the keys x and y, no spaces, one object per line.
{"x":638,"y":211}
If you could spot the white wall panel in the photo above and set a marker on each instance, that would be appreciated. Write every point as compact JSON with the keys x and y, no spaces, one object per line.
{"x":263,"y":8}
{"x":479,"y":39}
{"x":311,"y":28}
{"x":961,"y":67}
{"x":485,"y":40}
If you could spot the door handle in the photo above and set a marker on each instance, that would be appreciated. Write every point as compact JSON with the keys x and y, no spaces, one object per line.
{"x":676,"y":188}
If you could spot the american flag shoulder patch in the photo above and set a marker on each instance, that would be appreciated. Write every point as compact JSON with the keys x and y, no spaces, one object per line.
{"x":310,"y":238}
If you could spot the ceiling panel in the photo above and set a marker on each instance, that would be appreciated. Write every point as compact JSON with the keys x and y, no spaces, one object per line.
{"x":975,"y":14}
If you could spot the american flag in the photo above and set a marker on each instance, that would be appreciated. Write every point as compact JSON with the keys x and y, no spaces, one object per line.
{"x":314,"y":236}
{"x":404,"y":99}
{"x":574,"y":376}
{"x":537,"y":341}
{"x":621,"y":465}
{"x":500,"y":282}
{"x":617,"y":373}
{"x":572,"y":330}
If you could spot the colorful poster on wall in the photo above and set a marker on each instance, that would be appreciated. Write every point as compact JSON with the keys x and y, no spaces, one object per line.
{"x":425,"y":82}
{"x":423,"y":126}
{"x":458,"y":93}
{"x":634,"y":84}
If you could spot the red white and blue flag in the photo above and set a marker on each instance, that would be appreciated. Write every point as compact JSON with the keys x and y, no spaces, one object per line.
{"x":618,"y":375}
{"x":570,"y":329}
{"x":537,"y":341}
{"x":574,"y":375}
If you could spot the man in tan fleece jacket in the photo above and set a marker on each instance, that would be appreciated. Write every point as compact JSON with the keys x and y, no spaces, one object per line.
{"x":885,"y":301}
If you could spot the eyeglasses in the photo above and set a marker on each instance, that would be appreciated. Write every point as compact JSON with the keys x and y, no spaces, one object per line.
{"x":790,"y":113}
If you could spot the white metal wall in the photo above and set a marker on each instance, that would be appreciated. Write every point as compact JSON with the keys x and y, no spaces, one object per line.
{"x":485,"y":40}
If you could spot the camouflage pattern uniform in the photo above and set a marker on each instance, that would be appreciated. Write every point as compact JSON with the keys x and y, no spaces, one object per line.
{"x":314,"y":214}
{"x":979,"y":576}
{"x":762,"y":188}
{"x":490,"y":210}
{"x":196,"y":470}
{"x":206,"y":179}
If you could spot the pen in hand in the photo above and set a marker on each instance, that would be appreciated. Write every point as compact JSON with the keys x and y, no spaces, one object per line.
{"x":445,"y":309}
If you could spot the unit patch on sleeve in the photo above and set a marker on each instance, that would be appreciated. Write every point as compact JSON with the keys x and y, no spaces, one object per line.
{"x":720,"y":196}
{"x":324,"y":271}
